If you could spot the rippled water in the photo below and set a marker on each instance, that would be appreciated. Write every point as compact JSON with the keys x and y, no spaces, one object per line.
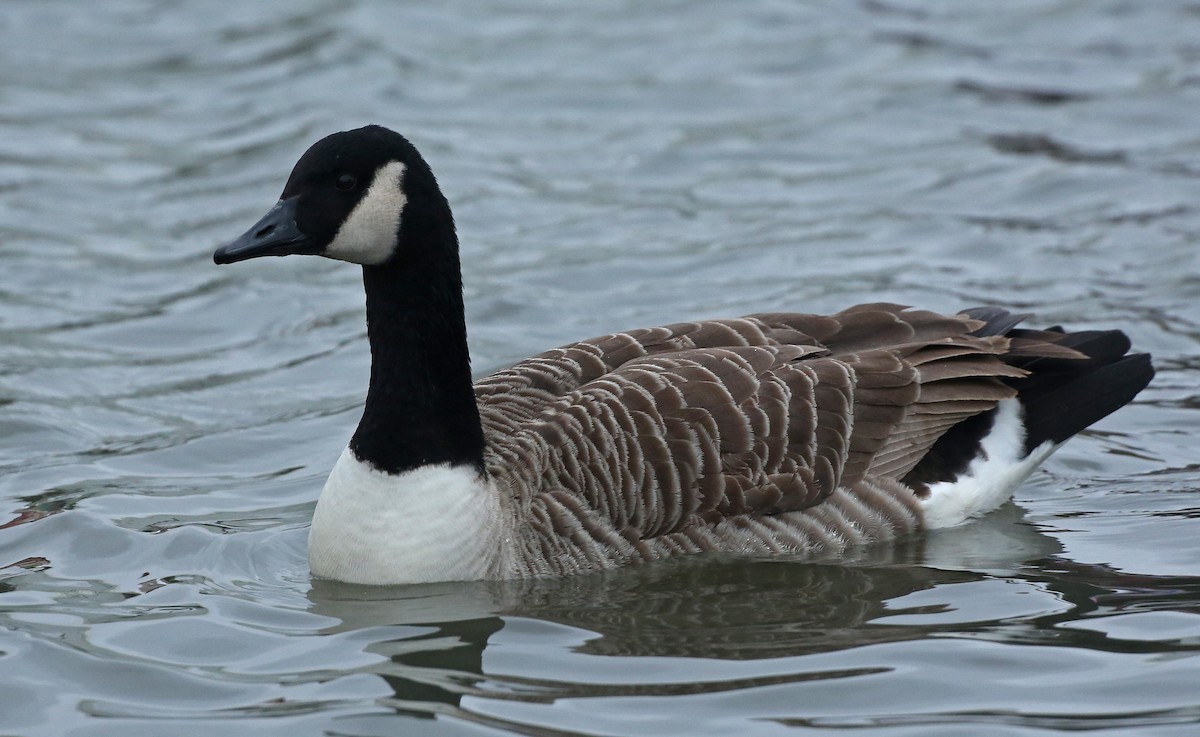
{"x":165,"y":425}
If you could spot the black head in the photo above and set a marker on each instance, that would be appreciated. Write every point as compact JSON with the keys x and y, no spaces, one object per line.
{"x":347,"y":199}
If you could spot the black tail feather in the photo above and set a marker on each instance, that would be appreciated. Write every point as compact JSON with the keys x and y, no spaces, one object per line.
{"x":1064,"y":392}
{"x":1064,"y":395}
{"x":1061,"y":404}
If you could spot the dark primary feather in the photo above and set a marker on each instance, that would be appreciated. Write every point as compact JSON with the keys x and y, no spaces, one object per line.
{"x":775,"y":431}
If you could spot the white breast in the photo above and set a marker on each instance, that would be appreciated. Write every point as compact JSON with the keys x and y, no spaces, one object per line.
{"x":435,"y":523}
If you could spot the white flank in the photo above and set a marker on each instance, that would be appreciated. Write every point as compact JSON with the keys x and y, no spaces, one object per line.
{"x":434,"y":523}
{"x":368,"y":235}
{"x":991,"y":477}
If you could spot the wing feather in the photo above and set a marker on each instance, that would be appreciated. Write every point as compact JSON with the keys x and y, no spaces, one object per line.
{"x":663,"y":436}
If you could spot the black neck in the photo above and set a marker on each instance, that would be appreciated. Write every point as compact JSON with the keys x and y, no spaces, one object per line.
{"x":420,"y":407}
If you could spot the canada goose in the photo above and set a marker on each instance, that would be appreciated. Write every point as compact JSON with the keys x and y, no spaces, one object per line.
{"x":772,"y":433}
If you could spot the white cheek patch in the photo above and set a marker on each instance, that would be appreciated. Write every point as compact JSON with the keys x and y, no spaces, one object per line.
{"x":368,"y":236}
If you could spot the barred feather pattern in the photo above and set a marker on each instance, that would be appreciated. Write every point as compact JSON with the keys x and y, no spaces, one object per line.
{"x":766,"y":434}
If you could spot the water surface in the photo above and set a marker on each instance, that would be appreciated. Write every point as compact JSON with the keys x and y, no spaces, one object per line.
{"x":165,"y":425}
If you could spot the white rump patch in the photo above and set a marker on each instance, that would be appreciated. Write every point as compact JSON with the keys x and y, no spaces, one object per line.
{"x":434,"y":523}
{"x":369,"y":235}
{"x":991,"y":478}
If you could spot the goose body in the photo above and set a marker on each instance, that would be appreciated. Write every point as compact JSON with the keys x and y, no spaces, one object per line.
{"x":771,"y":433}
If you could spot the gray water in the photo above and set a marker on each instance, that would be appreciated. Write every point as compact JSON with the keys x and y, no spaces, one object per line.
{"x":166,"y":425}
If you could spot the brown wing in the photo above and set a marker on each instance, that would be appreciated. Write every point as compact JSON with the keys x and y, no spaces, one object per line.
{"x":640,"y":434}
{"x":958,"y":374}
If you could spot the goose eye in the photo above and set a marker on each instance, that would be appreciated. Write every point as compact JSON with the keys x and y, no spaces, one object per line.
{"x":345,"y":182}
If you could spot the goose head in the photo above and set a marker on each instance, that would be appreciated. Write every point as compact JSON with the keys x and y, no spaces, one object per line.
{"x":366,"y":196}
{"x":358,"y":196}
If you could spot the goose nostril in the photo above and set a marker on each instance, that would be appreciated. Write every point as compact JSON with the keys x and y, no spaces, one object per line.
{"x":265,"y":231}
